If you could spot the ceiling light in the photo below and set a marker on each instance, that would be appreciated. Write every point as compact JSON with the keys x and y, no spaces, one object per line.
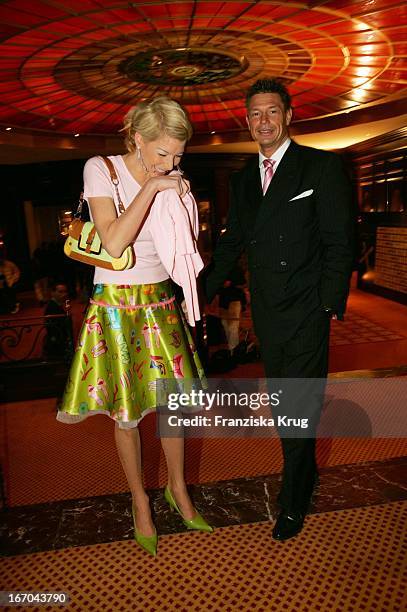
{"x":76,"y":135}
{"x":8,"y":129}
{"x":213,"y":132}
{"x":363,"y":71}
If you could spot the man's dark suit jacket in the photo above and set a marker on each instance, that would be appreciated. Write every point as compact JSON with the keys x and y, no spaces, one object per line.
{"x":298,"y":237}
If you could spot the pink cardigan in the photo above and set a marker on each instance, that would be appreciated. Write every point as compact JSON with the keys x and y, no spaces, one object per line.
{"x":174,"y":227}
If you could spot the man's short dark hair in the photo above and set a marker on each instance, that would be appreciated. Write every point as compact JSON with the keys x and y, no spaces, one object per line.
{"x":269,"y":86}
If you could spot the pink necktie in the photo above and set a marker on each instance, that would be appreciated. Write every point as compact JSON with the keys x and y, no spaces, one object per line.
{"x":269,"y":171}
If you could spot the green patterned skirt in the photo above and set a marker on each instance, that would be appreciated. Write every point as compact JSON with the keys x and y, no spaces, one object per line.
{"x":133,"y":338}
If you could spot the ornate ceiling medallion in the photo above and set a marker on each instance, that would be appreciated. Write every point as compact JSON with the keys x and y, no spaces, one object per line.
{"x":183,"y":66}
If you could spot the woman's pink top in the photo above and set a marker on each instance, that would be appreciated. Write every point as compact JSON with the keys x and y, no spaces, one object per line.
{"x":165,"y":245}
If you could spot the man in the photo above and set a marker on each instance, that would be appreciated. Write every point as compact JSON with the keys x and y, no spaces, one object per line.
{"x":291,"y":211}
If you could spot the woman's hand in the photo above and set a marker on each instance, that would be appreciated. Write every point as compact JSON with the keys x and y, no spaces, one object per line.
{"x":174,"y":180}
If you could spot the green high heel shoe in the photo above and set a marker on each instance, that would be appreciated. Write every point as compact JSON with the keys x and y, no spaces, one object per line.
{"x":198,"y":522}
{"x":148,"y":543}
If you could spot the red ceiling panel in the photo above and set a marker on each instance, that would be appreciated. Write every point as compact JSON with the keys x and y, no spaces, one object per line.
{"x":30,"y":104}
{"x":306,"y":35}
{"x":361,"y":71}
{"x":214,"y":8}
{"x":16,"y":51}
{"x":129,"y":29}
{"x":14,"y":96}
{"x":13,"y":17}
{"x":43,"y":31}
{"x":358,"y":95}
{"x":306,"y":112}
{"x":371,"y":62}
{"x":285,"y":11}
{"x":311,"y":18}
{"x":345,"y":27}
{"x":43,"y":9}
{"x":397,"y":34}
{"x":202,"y":22}
{"x":66,"y":64}
{"x":181,"y":9}
{"x":400,"y":63}
{"x":125,"y":15}
{"x":388,"y":18}
{"x":353,"y":7}
{"x":382,"y":50}
{"x":155,"y":11}
{"x":11,"y":64}
{"x":278,"y":29}
{"x":242,"y":23}
{"x":399,"y":76}
{"x":381,"y":85}
{"x":10,"y":115}
{"x":306,"y":98}
{"x":362,"y":39}
{"x":102,"y":18}
{"x":81,"y":6}
{"x":336,"y":64}
{"x":37,"y":38}
{"x":7,"y":31}
{"x":229,"y":124}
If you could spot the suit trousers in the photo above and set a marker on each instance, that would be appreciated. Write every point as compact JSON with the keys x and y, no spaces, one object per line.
{"x":304,"y":358}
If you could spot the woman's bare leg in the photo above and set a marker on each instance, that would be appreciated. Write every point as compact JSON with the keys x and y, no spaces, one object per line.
{"x":129,"y":449}
{"x":174,"y":454}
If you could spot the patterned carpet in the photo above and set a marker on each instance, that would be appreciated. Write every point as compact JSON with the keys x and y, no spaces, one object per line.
{"x":46,"y":460}
{"x":357,"y":329}
{"x":344,"y":561}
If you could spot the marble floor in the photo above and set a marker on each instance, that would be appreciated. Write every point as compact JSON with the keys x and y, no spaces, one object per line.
{"x":107,"y":518}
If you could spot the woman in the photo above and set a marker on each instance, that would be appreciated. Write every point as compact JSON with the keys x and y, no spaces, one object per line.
{"x":134,"y":332}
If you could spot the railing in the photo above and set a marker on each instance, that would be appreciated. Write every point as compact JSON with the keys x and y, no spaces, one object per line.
{"x":35,"y":354}
{"x":43,"y":338}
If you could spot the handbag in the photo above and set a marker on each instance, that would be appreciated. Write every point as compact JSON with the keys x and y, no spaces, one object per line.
{"x":83,"y":243}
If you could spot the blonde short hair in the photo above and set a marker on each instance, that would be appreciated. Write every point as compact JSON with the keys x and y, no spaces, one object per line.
{"x":155,"y":117}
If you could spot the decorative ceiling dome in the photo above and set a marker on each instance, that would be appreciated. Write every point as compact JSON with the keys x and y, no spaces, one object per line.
{"x":76,"y":67}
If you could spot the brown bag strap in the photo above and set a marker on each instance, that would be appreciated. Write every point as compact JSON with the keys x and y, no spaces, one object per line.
{"x":115,"y":180}
{"x":90,"y":239}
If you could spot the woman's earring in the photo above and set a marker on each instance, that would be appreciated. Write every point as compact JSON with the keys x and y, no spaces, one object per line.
{"x":141,"y":160}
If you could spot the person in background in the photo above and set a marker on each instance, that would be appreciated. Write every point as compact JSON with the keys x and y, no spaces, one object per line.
{"x":58,"y":340}
{"x":9,"y":276}
{"x":134,"y":335}
{"x":40,"y":273}
{"x":232,"y":300}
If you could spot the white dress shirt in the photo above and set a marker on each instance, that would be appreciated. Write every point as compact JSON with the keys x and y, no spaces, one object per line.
{"x":276,"y":157}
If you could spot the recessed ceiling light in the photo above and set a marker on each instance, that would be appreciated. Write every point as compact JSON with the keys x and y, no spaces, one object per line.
{"x":76,"y":135}
{"x":8,"y":129}
{"x":213,"y":132}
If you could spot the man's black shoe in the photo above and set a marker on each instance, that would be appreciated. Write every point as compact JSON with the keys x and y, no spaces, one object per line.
{"x":287,"y":525}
